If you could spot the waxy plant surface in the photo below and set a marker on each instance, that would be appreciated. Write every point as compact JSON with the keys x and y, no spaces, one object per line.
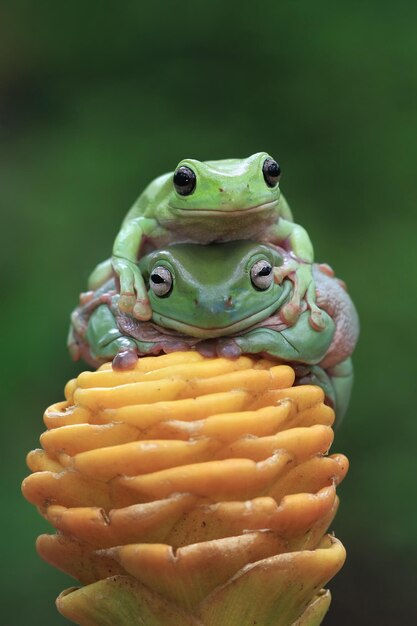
{"x":190,"y":490}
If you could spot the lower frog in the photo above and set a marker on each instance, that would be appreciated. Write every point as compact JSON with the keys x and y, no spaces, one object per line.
{"x":224,"y":299}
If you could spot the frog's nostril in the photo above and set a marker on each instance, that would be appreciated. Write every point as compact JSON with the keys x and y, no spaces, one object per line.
{"x":196,"y":301}
{"x":228,"y":302}
{"x":221,"y":189}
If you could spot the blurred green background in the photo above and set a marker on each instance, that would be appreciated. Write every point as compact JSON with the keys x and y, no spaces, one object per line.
{"x":99,"y":98}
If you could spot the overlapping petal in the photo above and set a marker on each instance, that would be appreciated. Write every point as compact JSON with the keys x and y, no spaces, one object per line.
{"x":197,"y":489}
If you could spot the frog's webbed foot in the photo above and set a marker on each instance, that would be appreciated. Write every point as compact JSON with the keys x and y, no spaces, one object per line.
{"x":125,"y":359}
{"x":292,"y":310}
{"x":133,"y":297}
{"x":316,"y":314}
{"x":207,"y":348}
{"x":227,"y":348}
{"x":304,"y":293}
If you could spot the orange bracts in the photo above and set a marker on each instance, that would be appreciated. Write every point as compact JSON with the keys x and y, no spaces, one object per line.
{"x":190,"y":491}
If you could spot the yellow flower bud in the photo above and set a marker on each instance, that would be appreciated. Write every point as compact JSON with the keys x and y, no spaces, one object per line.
{"x":190,"y":491}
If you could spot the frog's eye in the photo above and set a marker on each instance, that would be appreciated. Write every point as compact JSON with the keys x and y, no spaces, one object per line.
{"x":184,"y":180}
{"x":261,"y":275}
{"x":160,"y":281}
{"x":271,"y":171}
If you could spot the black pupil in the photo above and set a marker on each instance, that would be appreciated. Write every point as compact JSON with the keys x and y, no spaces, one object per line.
{"x":265,"y":271}
{"x":184,"y":180}
{"x":271,"y":172}
{"x":273,"y":169}
{"x":156,"y":278}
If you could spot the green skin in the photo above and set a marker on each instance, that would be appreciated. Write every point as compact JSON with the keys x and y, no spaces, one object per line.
{"x":212,"y":294}
{"x":214,"y":307}
{"x":231,"y":201}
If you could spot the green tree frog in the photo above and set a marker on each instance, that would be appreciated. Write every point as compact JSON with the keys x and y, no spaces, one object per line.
{"x":224,"y":299}
{"x":211,"y":202}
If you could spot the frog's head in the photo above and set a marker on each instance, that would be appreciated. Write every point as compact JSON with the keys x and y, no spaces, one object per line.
{"x":219,"y":188}
{"x":215,"y":290}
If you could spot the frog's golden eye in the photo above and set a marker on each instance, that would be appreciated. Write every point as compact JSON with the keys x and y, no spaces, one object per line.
{"x":184,"y":180}
{"x":262,"y":275}
{"x":160,"y":281}
{"x":271,"y":171}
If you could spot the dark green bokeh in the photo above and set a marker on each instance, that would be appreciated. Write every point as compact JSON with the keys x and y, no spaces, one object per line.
{"x":99,"y":98}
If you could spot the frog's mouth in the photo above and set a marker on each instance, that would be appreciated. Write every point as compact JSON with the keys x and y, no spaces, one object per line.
{"x":215,"y":331}
{"x":259,"y":208}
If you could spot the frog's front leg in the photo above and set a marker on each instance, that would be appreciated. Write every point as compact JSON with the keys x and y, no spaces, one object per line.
{"x":258,"y":341}
{"x":100,"y":275}
{"x":106,"y":341}
{"x":298,"y":269}
{"x":103,"y":336}
{"x":133,"y":296}
{"x":298,"y":343}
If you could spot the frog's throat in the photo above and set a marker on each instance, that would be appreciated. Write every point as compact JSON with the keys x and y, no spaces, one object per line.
{"x":259,"y":208}
{"x":211,"y":333}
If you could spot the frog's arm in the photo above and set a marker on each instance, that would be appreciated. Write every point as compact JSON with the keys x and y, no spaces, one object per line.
{"x":105,"y":341}
{"x":133,"y":296}
{"x":299,"y":343}
{"x":285,"y":229}
{"x":296,"y":235}
{"x":103,"y":336}
{"x":299,"y":270}
{"x":141,"y":222}
{"x":310,"y":344}
{"x":100,"y":275}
